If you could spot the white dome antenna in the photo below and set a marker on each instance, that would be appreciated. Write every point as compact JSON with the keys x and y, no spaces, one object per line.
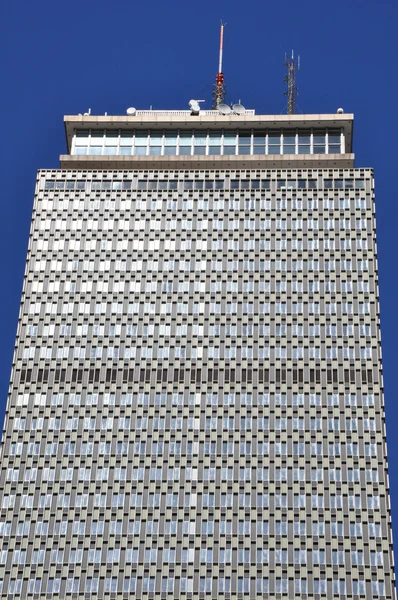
{"x":194,"y":106}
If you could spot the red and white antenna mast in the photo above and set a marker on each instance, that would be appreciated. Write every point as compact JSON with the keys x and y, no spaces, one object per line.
{"x":219,"y":87}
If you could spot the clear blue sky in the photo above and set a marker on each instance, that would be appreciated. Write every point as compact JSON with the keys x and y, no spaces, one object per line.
{"x":61,"y":58}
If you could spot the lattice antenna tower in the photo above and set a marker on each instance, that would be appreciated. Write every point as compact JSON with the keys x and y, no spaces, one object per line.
{"x":290,"y":79}
{"x":219,"y":86}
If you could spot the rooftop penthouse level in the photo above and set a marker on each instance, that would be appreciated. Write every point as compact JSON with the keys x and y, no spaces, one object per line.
{"x":179,"y":139}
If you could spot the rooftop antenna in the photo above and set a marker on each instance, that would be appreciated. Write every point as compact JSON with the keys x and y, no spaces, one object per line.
{"x":219,"y":87}
{"x":292,"y":91}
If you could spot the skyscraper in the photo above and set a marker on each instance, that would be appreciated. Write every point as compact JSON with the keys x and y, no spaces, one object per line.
{"x":196,"y":399}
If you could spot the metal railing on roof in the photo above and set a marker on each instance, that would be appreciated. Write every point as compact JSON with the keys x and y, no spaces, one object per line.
{"x":184,"y":113}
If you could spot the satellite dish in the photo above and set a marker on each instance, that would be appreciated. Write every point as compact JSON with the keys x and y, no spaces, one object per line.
{"x":131,"y":111}
{"x":238,"y":109}
{"x":224,"y":109}
{"x":340,"y":111}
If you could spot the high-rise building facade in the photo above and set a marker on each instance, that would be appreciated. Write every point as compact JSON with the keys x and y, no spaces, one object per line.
{"x":196,"y":400}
